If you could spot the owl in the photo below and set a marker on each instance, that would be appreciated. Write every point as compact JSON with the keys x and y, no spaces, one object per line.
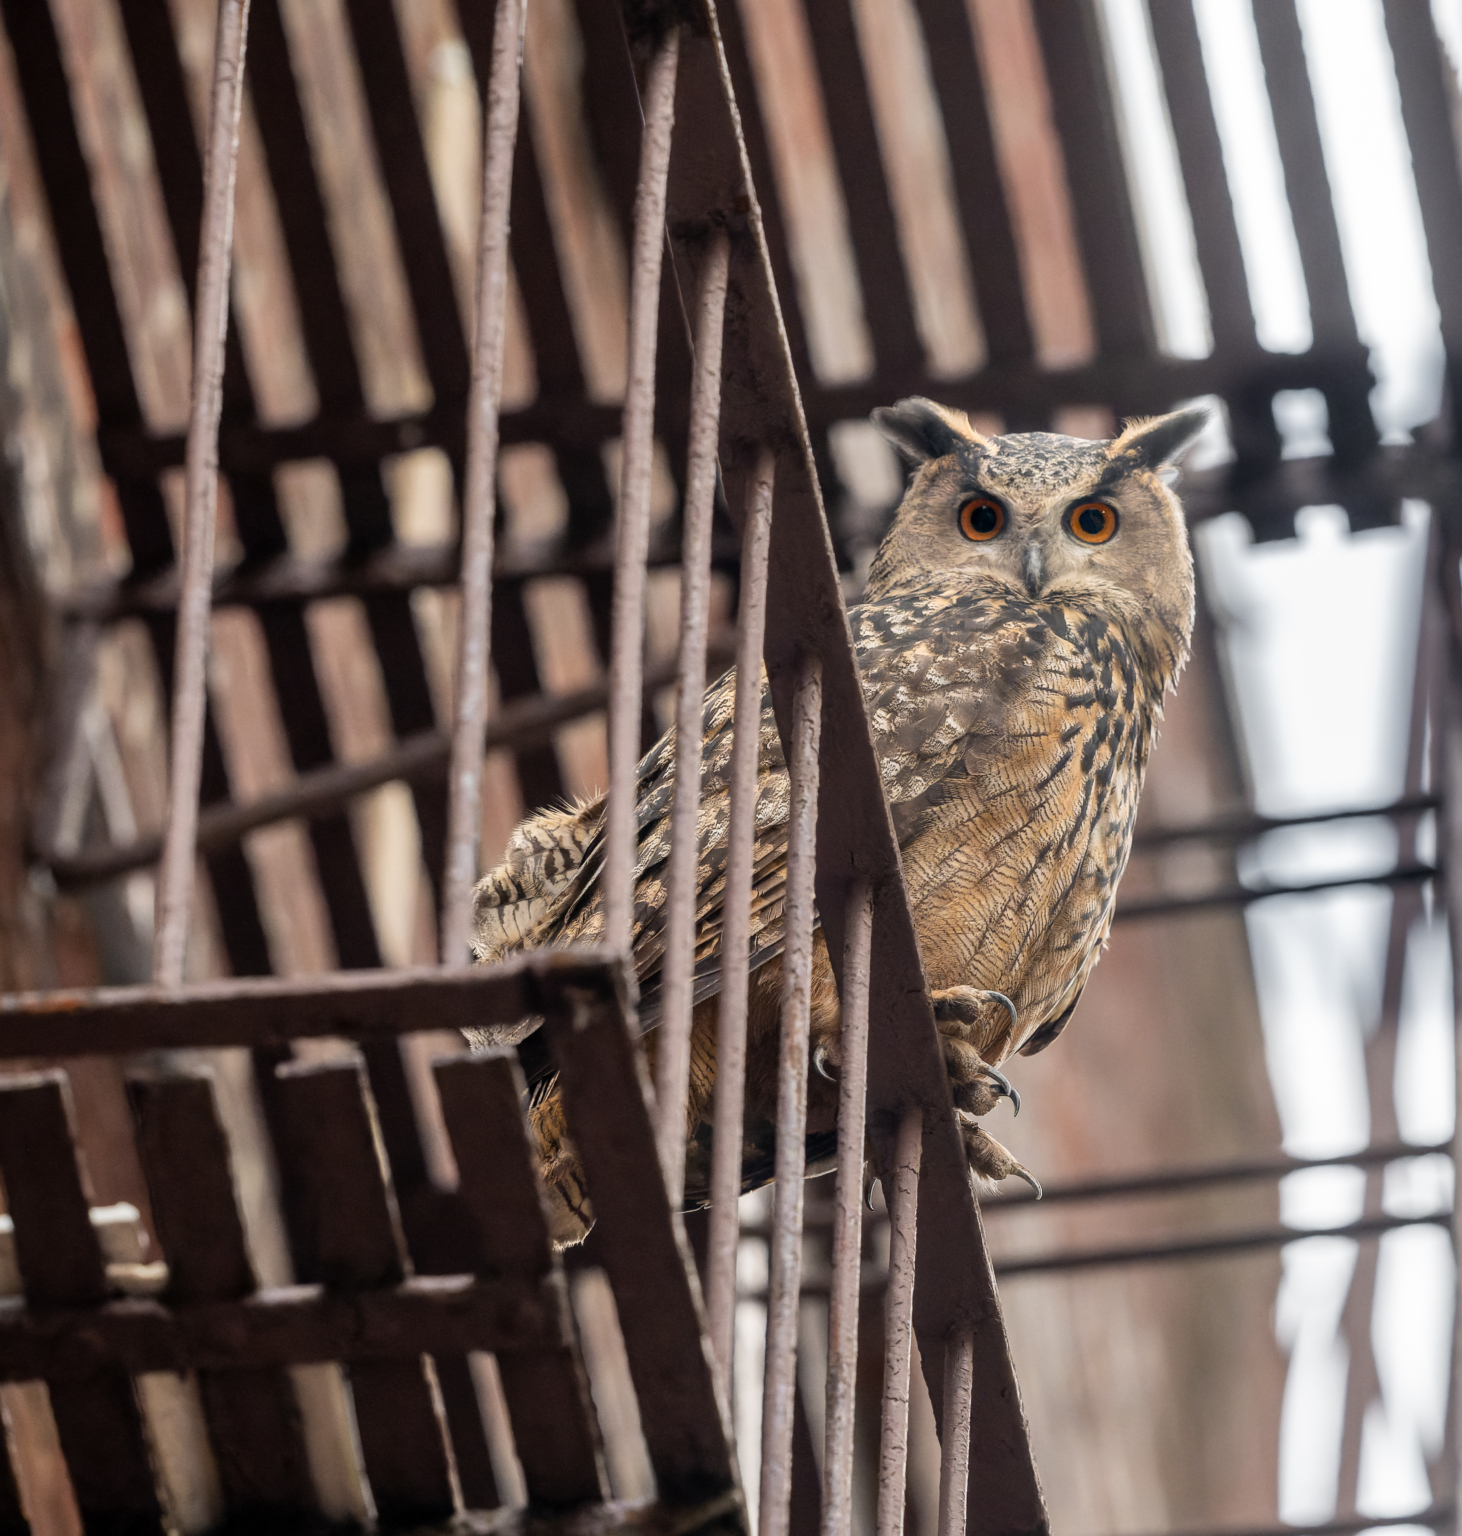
{"x":1024,"y":616}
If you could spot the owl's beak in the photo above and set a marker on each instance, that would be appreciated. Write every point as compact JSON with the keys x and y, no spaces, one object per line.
{"x":1035,"y":569}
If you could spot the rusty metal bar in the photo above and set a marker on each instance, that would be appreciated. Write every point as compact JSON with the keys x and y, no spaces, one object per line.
{"x":847,"y":1245}
{"x":1208,"y":1247}
{"x":527,"y":722}
{"x":210,"y":323}
{"x":672,"y":1064}
{"x":1243,"y":826}
{"x":1181,"y":1180}
{"x":1437,"y":1516}
{"x":780,"y":1385}
{"x":632,"y":530}
{"x":1449,"y":698}
{"x":730,"y":1092}
{"x":293,"y":1325}
{"x":1243,"y":895}
{"x":898,"y":1326}
{"x":855,"y":837}
{"x":274,"y":1010}
{"x":954,"y":1460}
{"x":479,"y":498}
{"x":638,"y":1239}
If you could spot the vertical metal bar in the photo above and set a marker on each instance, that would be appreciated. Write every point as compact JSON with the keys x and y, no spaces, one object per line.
{"x":842,"y":1327}
{"x":730,"y":1097}
{"x":954,"y":1460}
{"x":210,"y":324}
{"x":780,"y":1386}
{"x":893,"y":1446}
{"x":632,"y":531}
{"x":479,"y":499}
{"x":1362,"y":1379}
{"x":672,"y":1065}
{"x":1450,"y":698}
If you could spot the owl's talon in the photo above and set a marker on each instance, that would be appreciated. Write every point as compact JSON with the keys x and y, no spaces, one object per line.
{"x":820,"y":1060}
{"x":1002,"y":1085}
{"x":870,"y":1183}
{"x":1022,"y":1172}
{"x":989,"y":1162}
{"x":1000,"y":997}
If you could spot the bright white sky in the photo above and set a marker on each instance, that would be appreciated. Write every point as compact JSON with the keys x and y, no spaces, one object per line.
{"x":1320,"y":642}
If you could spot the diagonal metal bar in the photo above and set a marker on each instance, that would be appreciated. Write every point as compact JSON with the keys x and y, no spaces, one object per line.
{"x":479,"y":500}
{"x":210,"y":321}
{"x":761,"y":405}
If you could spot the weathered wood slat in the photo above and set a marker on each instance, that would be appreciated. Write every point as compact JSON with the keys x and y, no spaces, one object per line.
{"x":292,"y":1325}
{"x":639,"y":1240}
{"x":332,"y":1150}
{"x":97,"y":1419}
{"x":547,"y":1391}
{"x":276,"y":1010}
{"x":253,"y":1418}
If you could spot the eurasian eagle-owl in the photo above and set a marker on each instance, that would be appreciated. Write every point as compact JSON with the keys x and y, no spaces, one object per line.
{"x":1024,"y":615}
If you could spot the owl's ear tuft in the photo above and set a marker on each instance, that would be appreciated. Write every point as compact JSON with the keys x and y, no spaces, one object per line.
{"x":1151,"y":442}
{"x":921,"y":430}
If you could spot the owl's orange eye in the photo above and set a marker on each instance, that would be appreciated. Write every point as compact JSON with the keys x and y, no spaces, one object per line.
{"x":1093,"y":522}
{"x":981,"y":520}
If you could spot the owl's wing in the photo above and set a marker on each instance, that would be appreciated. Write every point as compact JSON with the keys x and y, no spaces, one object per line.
{"x":547,"y":891}
{"x":940,"y":679}
{"x":939,"y":708}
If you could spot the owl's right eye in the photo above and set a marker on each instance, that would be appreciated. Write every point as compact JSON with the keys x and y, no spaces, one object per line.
{"x":981,"y":519}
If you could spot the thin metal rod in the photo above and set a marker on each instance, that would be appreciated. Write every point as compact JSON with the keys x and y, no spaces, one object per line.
{"x":1184,"y":1179}
{"x":898,"y":1326}
{"x":1243,"y":896}
{"x":672,"y":1063}
{"x":730,"y":1092}
{"x":200,"y":516}
{"x":632,"y":532}
{"x":479,"y":499}
{"x":1240,"y":827}
{"x":1179,"y":1249}
{"x":785,"y":1275}
{"x":1436,"y":1515}
{"x":1363,"y":1379}
{"x":1209,"y":1247}
{"x":1450,"y":700}
{"x":847,"y":1244}
{"x":954,"y":1459}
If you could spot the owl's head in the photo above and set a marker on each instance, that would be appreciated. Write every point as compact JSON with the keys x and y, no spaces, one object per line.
{"x":1049,"y":516}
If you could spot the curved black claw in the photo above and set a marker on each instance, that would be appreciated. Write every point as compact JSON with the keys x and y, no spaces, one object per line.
{"x":870,"y":1183}
{"x":1002,"y":1085}
{"x":820,"y":1059}
{"x":1000,"y":997}
{"x":1022,"y":1172}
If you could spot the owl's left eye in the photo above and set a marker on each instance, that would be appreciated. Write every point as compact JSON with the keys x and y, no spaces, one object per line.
{"x":981,"y":519}
{"x":1093,"y":522}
